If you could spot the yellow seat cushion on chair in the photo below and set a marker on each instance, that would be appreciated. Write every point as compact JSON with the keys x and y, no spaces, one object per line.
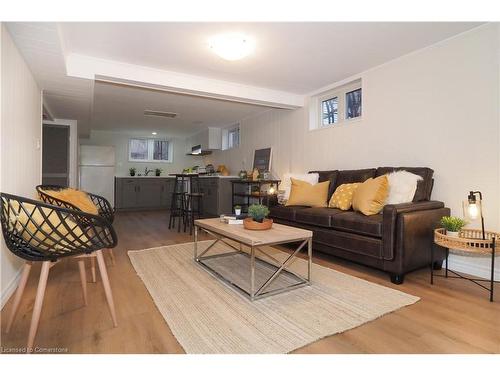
{"x":305,"y":194}
{"x":26,"y":219}
{"x":342,"y":198}
{"x":75,"y":197}
{"x":370,"y":196}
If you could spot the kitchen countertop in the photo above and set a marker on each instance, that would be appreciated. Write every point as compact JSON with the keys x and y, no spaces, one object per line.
{"x":202,"y":176}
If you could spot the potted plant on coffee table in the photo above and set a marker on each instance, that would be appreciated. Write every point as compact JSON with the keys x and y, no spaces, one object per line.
{"x":257,"y":219}
{"x":452,"y":225}
{"x":237,"y":210}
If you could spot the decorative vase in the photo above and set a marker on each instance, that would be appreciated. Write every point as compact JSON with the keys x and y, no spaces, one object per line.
{"x":451,"y":234}
{"x":251,"y":224}
{"x":237,"y":211}
{"x":255,"y":174}
{"x":242,"y":175}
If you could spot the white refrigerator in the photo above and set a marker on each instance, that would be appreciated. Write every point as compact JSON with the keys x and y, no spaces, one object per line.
{"x":97,"y":171}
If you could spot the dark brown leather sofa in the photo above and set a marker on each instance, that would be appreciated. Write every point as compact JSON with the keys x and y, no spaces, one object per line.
{"x":397,"y":240}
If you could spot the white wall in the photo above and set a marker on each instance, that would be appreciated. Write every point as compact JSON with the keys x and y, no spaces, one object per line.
{"x":437,"y":107}
{"x":120,"y":141}
{"x":20,"y":145}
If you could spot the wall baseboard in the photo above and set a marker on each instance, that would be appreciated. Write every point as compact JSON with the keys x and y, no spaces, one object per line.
{"x":480,"y":267}
{"x":10,"y":289}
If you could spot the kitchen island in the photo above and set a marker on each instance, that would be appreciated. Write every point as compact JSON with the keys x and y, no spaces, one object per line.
{"x":155,"y":192}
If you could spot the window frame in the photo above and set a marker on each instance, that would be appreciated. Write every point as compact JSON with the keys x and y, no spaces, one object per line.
{"x":150,"y":145}
{"x":226,"y":136}
{"x":316,"y":117}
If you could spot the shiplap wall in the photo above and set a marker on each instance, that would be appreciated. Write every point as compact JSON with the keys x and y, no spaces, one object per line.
{"x":437,"y":107}
{"x":20,"y":149}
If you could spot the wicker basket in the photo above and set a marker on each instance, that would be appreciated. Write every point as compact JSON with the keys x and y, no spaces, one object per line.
{"x":469,"y":241}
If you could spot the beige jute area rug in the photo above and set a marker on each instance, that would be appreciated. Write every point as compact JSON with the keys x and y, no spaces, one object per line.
{"x":207,"y":316}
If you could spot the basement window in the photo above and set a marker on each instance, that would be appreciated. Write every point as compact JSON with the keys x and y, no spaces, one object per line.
{"x":150,"y":150}
{"x":231,"y":137}
{"x":337,"y":106}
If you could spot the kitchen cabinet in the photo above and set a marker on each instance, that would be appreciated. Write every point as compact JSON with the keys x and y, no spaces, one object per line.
{"x":208,"y":139}
{"x":216,"y":196}
{"x":143,"y":192}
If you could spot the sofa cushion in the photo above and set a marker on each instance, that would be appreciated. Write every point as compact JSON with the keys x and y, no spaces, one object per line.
{"x":355,"y":175}
{"x":370,"y":196}
{"x":424,"y":187}
{"x":328,"y":176}
{"x":320,"y":216}
{"x":285,"y":212}
{"x":306,"y":194}
{"x":356,"y":222}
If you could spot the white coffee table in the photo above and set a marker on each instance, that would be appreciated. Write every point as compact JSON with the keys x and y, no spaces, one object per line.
{"x":255,"y":241}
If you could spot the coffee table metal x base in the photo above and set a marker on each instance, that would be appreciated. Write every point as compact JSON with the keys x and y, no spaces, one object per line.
{"x":261,"y":292}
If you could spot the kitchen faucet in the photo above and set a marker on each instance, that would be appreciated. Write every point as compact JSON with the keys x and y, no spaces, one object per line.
{"x":146,"y":171}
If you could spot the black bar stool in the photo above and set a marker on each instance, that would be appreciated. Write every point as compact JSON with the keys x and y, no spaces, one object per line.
{"x":178,"y":202}
{"x":194,"y":203}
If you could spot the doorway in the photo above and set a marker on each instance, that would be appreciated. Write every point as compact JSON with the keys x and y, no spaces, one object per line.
{"x":55,"y":155}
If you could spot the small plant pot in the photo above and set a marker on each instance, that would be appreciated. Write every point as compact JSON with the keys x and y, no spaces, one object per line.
{"x":451,"y":234}
{"x":158,"y":174}
{"x":132,"y":173}
{"x":237,"y":211}
{"x":251,"y":224}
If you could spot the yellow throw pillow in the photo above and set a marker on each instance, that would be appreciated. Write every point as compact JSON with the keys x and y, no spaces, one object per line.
{"x":370,"y":196}
{"x":305,"y":194}
{"x":75,"y":197}
{"x":31,"y":219}
{"x":342,"y":198}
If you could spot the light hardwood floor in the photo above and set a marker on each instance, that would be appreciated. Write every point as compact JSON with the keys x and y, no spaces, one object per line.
{"x":452,"y":316}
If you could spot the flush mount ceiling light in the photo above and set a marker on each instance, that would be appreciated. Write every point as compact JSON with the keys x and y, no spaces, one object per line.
{"x":154,"y":133}
{"x":231,"y":46}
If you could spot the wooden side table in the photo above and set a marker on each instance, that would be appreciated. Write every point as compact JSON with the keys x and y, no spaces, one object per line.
{"x":468,"y":242}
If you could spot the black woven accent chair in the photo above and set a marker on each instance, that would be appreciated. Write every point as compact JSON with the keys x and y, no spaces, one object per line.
{"x":40,"y":232}
{"x":104,"y":209}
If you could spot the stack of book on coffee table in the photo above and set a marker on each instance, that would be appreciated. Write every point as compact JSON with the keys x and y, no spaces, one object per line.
{"x":233,"y":219}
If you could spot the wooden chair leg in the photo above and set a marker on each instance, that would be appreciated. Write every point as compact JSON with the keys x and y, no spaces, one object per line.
{"x":83,"y":279}
{"x":106,"y":285}
{"x":37,"y":308}
{"x":92,"y":269}
{"x":112,"y":256}
{"x":19,"y":294}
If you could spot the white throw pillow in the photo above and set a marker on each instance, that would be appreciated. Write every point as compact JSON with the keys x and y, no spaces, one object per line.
{"x":402,"y":187}
{"x":286,"y":183}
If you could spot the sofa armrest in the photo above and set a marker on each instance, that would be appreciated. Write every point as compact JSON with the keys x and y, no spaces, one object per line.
{"x":271,"y":201}
{"x":391,"y":209}
{"x":389,"y":221}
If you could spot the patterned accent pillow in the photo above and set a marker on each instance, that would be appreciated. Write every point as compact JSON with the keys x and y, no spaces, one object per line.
{"x":342,"y":198}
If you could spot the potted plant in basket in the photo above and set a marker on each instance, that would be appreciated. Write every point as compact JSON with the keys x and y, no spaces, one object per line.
{"x":258,"y":218}
{"x":132,"y":171}
{"x":158,"y":172}
{"x":237,"y":210}
{"x":452,"y":225}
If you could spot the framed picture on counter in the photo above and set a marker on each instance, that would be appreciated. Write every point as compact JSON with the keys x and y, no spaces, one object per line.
{"x":262,"y":159}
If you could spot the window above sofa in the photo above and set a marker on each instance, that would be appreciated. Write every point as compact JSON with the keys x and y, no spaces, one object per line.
{"x":337,"y":106}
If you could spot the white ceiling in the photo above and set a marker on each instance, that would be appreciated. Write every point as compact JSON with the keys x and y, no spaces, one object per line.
{"x":122,"y":108}
{"x":294,"y":57}
{"x":291,"y":57}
